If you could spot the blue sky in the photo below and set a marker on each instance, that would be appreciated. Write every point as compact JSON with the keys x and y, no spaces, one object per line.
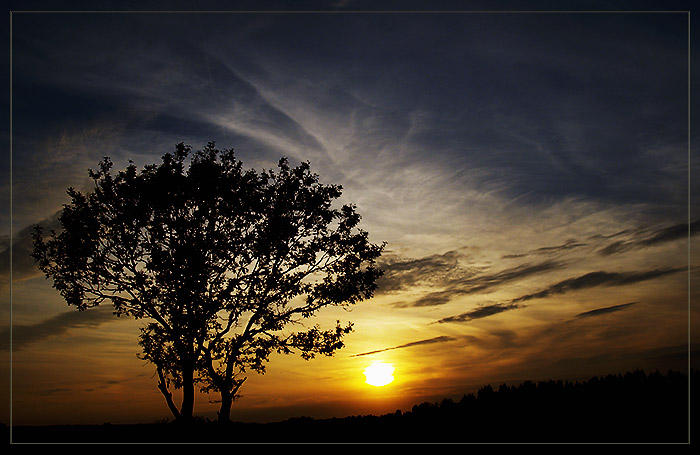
{"x":529,"y":171}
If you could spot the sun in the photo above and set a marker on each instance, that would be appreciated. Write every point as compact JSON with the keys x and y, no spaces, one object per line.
{"x":379,"y":374}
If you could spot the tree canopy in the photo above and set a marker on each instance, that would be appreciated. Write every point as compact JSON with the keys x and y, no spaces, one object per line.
{"x":225,"y":264}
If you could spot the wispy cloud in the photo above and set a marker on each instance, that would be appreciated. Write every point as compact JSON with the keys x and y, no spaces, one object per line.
{"x":481,"y":283}
{"x":23,"y":266}
{"x":596,"y":279}
{"x":657,"y":237}
{"x":440,"y":339}
{"x":480,"y":312}
{"x":401,"y":274}
{"x":605,"y":310}
{"x":566,"y":246}
{"x":23,"y":335}
{"x":589,"y":280}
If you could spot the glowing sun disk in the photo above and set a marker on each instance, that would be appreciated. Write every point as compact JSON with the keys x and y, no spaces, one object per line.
{"x":379,"y":374}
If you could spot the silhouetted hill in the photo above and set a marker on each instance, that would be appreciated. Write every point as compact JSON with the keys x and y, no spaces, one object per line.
{"x":628,"y":408}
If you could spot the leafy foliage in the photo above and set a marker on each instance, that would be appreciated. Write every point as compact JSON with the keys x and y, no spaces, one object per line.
{"x":221,"y":259}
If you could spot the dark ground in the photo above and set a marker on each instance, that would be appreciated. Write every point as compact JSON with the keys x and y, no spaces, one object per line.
{"x":633,"y":407}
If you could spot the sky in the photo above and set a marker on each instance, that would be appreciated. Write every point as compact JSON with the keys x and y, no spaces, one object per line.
{"x":531,"y":173}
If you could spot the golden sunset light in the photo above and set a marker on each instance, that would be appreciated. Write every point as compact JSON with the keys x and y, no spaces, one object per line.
{"x":336,"y":221}
{"x":379,"y":374}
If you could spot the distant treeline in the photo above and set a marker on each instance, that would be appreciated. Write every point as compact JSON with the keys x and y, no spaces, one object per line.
{"x":630,"y":407}
{"x":634,"y":407}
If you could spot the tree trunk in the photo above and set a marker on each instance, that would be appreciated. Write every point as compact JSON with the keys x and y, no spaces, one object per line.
{"x":224,"y":413}
{"x":162,"y":386}
{"x":169,"y":400}
{"x":228,"y":394}
{"x":187,"y":408}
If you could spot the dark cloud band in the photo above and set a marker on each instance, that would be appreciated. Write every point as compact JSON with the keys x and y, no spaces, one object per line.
{"x":596,"y":279}
{"x":480,"y":312}
{"x":660,"y":236}
{"x":22,"y":335}
{"x":605,"y":310}
{"x":440,"y":339}
{"x":589,"y":280}
{"x":476,"y":283}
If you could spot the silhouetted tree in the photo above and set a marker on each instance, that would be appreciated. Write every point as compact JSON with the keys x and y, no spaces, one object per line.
{"x":220,"y":260}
